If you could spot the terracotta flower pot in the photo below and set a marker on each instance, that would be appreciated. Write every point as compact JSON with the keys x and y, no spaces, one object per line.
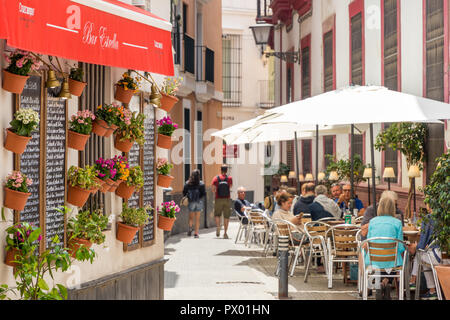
{"x":75,"y":244}
{"x":124,"y":191}
{"x":115,"y":185}
{"x":15,"y":143}
{"x":125,"y":233}
{"x":100,"y":127}
{"x":13,"y":82}
{"x":110,"y":130}
{"x":15,"y":200}
{"x":76,"y":87}
{"x":164,"y":142}
{"x":123,"y":95}
{"x":167,"y":102}
{"x":10,"y":257}
{"x":100,"y":182}
{"x":164,"y":181}
{"x":443,"y":273}
{"x":106,"y":186}
{"x":124,"y":146}
{"x":77,"y":140}
{"x":165,"y":223}
{"x":77,"y":196}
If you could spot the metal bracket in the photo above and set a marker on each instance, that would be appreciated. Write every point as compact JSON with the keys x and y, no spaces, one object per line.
{"x":288,"y":56}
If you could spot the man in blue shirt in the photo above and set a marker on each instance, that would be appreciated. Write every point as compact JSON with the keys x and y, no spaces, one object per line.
{"x":344,"y":198}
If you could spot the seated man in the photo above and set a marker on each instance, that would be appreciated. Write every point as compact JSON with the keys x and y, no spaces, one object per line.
{"x":344,"y":200}
{"x":328,"y":204}
{"x":241,"y":203}
{"x":336,"y":191}
{"x":302,"y":204}
{"x":316,"y":209}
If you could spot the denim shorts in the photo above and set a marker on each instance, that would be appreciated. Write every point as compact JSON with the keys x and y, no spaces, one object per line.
{"x":195,"y":206}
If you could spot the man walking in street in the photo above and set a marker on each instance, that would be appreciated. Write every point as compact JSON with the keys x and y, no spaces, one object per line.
{"x":221,"y":186}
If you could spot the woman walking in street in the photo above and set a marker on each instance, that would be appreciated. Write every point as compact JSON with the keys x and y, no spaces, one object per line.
{"x":195,"y":191}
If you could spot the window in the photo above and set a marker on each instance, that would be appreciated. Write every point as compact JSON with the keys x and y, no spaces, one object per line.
{"x":391,"y":156}
{"x":356,"y":10}
{"x":329,"y":147}
{"x":231,"y":69}
{"x":359,"y":145}
{"x":306,"y":156}
{"x":391,"y":45}
{"x":187,"y":143}
{"x":306,"y":67}
{"x":290,"y":154}
{"x":289,"y":83}
{"x":328,"y":61}
{"x":199,"y":141}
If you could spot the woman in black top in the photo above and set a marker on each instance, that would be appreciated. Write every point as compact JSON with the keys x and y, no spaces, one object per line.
{"x":195,"y":191}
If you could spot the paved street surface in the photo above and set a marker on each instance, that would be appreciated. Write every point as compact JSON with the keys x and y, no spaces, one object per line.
{"x":211,"y":268}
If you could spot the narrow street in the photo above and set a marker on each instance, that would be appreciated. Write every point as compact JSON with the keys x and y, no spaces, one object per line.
{"x":211,"y":268}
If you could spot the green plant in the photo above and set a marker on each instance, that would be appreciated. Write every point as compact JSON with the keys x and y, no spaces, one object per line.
{"x":163,"y":167}
{"x":21,"y":62}
{"x":343,"y":168}
{"x":133,"y":131}
{"x":437,"y":196}
{"x":166,"y":126}
{"x":25,"y":121}
{"x":168,"y":209}
{"x":170,"y":85}
{"x":76,"y":74}
{"x":136,"y":177}
{"x":83,"y":178}
{"x":283,"y":169}
{"x":409,"y":138}
{"x":128,"y":82}
{"x":82,"y":122}
{"x":135,"y":217}
{"x":18,"y":181}
{"x":88,"y":225}
{"x":113,"y":114}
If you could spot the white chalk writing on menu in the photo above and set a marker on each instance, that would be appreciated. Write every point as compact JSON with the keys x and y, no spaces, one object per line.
{"x":149,"y":159}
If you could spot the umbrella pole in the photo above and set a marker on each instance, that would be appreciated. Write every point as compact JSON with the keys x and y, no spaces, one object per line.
{"x":296,"y":162}
{"x":352,"y":166}
{"x":317,"y":154}
{"x":372,"y":159}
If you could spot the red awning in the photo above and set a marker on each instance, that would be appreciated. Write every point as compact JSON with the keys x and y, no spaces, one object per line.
{"x":106,"y":32}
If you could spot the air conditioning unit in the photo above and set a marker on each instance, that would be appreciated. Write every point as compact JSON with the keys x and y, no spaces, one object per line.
{"x":140,"y":3}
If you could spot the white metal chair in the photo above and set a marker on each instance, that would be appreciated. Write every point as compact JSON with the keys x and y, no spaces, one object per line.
{"x":284,"y":228}
{"x":358,"y":220}
{"x":269,"y":237}
{"x":316,"y":232}
{"x":426,"y":253}
{"x":385,"y":251}
{"x":257,"y":227}
{"x":243,"y":227}
{"x":342,"y":246}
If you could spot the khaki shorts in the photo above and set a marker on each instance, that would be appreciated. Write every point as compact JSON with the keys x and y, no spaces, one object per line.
{"x":222,"y":206}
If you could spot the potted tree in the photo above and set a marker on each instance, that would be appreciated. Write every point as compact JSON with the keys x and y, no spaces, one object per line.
{"x":76,"y":84}
{"x":168,"y":92}
{"x":165,"y":130}
{"x":437,"y":196}
{"x":166,"y":215}
{"x":25,"y":121}
{"x":18,"y":238}
{"x":126,"y":87}
{"x":80,"y":127}
{"x":105,"y":172}
{"x":21,"y":63}
{"x":16,"y":191}
{"x":81,"y":183}
{"x":132,"y":220}
{"x":122,"y":171}
{"x":131,"y":132}
{"x":163,"y":168}
{"x":134,"y":181}
{"x":85,"y":229}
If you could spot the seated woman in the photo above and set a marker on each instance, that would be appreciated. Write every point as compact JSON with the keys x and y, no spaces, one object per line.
{"x":284,"y":201}
{"x":386,"y":225}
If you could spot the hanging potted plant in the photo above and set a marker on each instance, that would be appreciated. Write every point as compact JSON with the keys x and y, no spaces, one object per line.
{"x":134,"y":182}
{"x":81,"y":183}
{"x":21,"y":63}
{"x":122,"y":171}
{"x":163,"y":168}
{"x":437,"y":196}
{"x":80,"y":127}
{"x":105,"y":172}
{"x":129,"y":132}
{"x":165,"y":130}
{"x":16,"y":191}
{"x":25,"y":121}
{"x":166,"y":215}
{"x":168,"y":92}
{"x":105,"y":119}
{"x":132,"y":220}
{"x":19,"y":237}
{"x":76,"y":84}
{"x":85,"y":229}
{"x":126,"y":87}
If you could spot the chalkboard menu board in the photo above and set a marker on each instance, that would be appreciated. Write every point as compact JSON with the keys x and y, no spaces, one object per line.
{"x":134,"y":160}
{"x":149,"y":169}
{"x":55,"y":168}
{"x":30,"y":159}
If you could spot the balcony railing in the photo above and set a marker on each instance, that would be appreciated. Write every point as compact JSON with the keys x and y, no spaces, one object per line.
{"x":205,"y":64}
{"x":266,"y":94}
{"x":189,"y":54}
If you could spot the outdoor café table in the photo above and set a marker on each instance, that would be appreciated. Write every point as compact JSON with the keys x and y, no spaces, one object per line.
{"x":335,"y":222}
